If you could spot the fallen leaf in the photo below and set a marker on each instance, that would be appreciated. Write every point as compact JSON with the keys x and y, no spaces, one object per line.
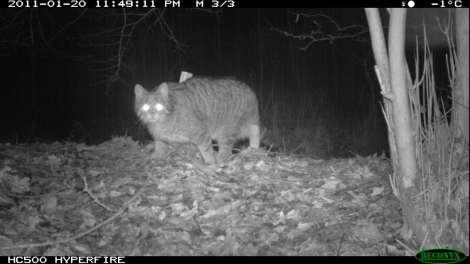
{"x":377,"y":191}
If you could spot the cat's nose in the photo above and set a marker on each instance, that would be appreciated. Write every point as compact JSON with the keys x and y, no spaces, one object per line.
{"x":152,"y":111}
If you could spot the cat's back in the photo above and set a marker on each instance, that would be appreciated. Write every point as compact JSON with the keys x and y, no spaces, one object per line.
{"x":225,"y":105}
{"x":212,"y":92}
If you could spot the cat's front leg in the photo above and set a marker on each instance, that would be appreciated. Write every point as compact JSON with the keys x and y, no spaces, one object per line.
{"x":225,"y":149}
{"x":207,"y":152}
{"x":160,"y":150}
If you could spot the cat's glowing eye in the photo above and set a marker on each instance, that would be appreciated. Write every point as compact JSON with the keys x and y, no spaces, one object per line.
{"x":145,"y":107}
{"x":159,"y":107}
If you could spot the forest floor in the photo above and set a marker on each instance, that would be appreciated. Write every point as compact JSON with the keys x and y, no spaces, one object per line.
{"x":114,"y":199}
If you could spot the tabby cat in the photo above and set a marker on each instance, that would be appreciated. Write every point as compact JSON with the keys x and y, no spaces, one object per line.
{"x":198,"y":111}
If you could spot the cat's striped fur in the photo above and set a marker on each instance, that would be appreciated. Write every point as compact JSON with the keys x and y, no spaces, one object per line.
{"x":198,"y":111}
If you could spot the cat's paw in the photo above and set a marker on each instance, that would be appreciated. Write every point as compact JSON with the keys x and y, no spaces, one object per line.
{"x":160,"y":151}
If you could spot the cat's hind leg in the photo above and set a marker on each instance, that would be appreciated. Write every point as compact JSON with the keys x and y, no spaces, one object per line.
{"x":253,"y":133}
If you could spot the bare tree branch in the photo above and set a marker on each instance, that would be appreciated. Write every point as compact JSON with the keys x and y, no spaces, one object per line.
{"x":102,"y":37}
{"x":68,"y":25}
{"x":324,"y":28}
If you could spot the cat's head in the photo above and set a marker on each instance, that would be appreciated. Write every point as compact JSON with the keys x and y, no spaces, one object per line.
{"x":153,"y":106}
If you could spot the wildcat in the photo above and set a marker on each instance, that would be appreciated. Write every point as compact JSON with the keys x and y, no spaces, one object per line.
{"x":198,"y":111}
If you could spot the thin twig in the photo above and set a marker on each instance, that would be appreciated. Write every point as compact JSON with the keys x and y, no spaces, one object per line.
{"x":93,"y":197}
{"x":82,"y":234}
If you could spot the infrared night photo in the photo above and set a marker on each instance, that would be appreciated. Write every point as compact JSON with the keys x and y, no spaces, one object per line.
{"x":221,"y":128}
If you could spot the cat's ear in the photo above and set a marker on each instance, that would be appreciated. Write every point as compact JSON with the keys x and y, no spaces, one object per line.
{"x":163,"y":90}
{"x":139,"y":91}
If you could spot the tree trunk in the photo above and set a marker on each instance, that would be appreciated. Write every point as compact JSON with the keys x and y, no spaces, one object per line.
{"x":392,"y":72}
{"x":383,"y":75}
{"x":460,"y":117}
{"x":400,"y":82}
{"x":401,"y":108}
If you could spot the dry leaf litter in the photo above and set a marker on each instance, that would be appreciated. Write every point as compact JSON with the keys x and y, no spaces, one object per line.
{"x":114,"y":199}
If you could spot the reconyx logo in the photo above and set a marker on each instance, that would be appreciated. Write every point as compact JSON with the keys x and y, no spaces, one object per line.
{"x":440,"y":255}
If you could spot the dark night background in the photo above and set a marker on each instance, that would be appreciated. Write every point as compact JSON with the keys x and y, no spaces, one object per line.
{"x":69,"y":74}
